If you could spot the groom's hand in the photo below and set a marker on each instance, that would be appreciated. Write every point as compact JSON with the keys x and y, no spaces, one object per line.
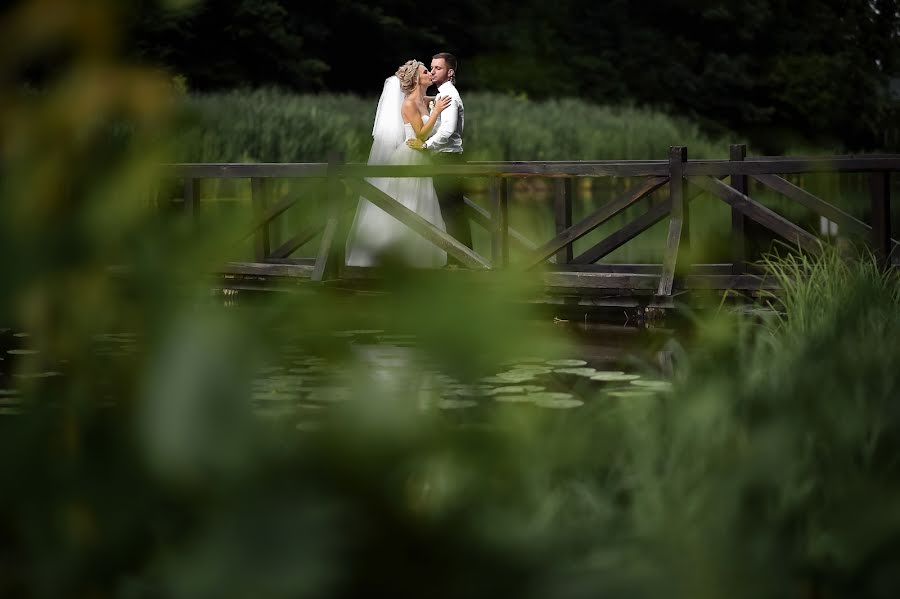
{"x":415,"y":144}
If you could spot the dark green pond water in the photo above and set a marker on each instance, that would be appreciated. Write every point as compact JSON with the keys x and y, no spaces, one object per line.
{"x":608,"y":359}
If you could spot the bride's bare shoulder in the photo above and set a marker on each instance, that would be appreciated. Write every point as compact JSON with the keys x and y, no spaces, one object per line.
{"x":410,"y":108}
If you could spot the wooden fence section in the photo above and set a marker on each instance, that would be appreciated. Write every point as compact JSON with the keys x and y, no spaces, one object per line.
{"x":682,"y":179}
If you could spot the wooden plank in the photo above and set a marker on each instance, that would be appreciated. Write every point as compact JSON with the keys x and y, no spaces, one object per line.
{"x":648,"y":282}
{"x":273,"y":211}
{"x":191,"y":199}
{"x":625,"y":234}
{"x":759,"y":213}
{"x":418,"y":224}
{"x":646,"y":269}
{"x":724,"y":168}
{"x":285,"y":170}
{"x":302,"y":271}
{"x":880,"y":188}
{"x":483,"y":217}
{"x":619,"y":169}
{"x":600,"y":280}
{"x":673,"y":240}
{"x":616,"y":168}
{"x":327,"y":256}
{"x":261,"y":234}
{"x":817,"y":205}
{"x":678,"y":221}
{"x":743,"y":282}
{"x":593,"y":221}
{"x":738,"y":153}
{"x":500,"y":222}
{"x":276,"y":227}
{"x":563,"y":197}
{"x":297,"y":241}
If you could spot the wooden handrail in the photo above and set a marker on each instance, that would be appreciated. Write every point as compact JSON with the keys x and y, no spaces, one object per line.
{"x":767,"y":165}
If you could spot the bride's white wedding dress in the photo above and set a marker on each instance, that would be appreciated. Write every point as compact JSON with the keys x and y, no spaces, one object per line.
{"x":375,"y":232}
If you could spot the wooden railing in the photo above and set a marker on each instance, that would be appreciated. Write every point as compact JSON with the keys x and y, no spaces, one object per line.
{"x":683,"y":179}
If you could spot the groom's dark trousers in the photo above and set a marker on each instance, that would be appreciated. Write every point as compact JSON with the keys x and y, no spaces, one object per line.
{"x":449,"y":191}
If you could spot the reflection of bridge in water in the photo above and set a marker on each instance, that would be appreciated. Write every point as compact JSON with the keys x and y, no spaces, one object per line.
{"x":667,"y":186}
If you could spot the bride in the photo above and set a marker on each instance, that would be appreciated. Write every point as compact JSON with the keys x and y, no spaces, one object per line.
{"x":402,"y":114}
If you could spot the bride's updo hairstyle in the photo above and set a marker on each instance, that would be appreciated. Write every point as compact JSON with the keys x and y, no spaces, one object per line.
{"x":408,"y":74}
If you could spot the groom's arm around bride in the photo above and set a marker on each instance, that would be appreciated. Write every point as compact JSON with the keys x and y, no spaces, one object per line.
{"x":446,"y":147}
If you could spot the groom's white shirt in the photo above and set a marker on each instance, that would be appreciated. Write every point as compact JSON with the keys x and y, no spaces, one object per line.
{"x":449,"y":134}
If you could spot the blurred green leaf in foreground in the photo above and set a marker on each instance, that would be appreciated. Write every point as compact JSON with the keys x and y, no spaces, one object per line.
{"x":767,"y":469}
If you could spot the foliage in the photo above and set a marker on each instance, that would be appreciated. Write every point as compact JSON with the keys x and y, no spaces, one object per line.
{"x":768,"y":470}
{"x":769,"y":69}
{"x":276,"y":126}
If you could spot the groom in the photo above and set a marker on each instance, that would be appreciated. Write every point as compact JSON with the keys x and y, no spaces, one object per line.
{"x":446,"y":147}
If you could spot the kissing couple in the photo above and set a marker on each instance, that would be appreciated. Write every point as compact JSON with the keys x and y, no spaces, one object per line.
{"x":412,"y":128}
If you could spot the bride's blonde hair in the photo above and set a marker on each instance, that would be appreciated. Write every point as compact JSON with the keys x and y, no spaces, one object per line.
{"x":408,"y":74}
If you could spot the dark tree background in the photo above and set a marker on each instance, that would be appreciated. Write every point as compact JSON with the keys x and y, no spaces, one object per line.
{"x":773,"y":70}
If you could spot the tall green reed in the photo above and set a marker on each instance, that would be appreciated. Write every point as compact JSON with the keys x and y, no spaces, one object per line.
{"x":268,"y":125}
{"x":771,"y":470}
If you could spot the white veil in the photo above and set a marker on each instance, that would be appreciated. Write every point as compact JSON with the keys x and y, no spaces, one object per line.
{"x":387,"y":132}
{"x":387,"y":135}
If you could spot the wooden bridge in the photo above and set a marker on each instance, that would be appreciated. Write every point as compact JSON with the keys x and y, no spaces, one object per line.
{"x":669,"y":186}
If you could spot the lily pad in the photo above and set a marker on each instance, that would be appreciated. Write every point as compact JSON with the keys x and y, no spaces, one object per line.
{"x":271,"y":396}
{"x":549,"y":395}
{"x":559,"y":404}
{"x":517,"y":389}
{"x":38,"y":375}
{"x":513,"y":376}
{"x":576,"y":371}
{"x":396,"y":338}
{"x":494,"y":380}
{"x":355,"y":333}
{"x":631,"y":394}
{"x":514,"y":398}
{"x":614,"y":376}
{"x":653,"y":385}
{"x":566,"y":363}
{"x":456,"y":404}
{"x":532,"y":368}
{"x":301,"y":370}
{"x":470,"y":391}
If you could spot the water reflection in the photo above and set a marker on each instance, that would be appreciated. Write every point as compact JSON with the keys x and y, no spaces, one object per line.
{"x":613,"y":361}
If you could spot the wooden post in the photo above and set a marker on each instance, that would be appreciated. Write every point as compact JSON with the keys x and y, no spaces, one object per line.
{"x":880,"y":188}
{"x":676,"y":168}
{"x":679,"y":222}
{"x":499,"y":223}
{"x":738,"y":240}
{"x":563,"y":194}
{"x":277,"y":223}
{"x":331,"y":257}
{"x":261,"y":235}
{"x":191,"y":201}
